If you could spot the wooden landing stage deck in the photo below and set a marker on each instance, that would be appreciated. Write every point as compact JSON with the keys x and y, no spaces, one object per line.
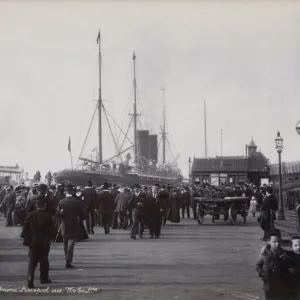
{"x":189,"y":261}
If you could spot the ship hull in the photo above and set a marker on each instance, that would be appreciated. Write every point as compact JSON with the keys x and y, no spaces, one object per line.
{"x":80,"y":178}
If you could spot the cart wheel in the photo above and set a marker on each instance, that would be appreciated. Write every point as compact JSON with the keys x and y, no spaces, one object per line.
{"x":200,"y":215}
{"x":232,"y":214}
{"x":245,"y":212}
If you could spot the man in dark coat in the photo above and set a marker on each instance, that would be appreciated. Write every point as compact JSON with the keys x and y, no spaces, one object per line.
{"x":30,"y":198}
{"x":38,"y":231}
{"x":153,"y":211}
{"x":195,"y":194}
{"x":174,"y":205}
{"x":114,"y":191}
{"x":106,"y":201}
{"x":121,"y":203}
{"x":50,"y":205}
{"x":186,"y":202}
{"x":268,"y":209}
{"x":137,"y":203}
{"x":79,"y":196}
{"x":57,"y":196}
{"x":89,"y":196}
{"x":9,"y":203}
{"x":71,"y":215}
{"x":163,"y":196}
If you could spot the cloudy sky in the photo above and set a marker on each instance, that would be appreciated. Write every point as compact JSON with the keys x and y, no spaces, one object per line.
{"x":242,"y":58}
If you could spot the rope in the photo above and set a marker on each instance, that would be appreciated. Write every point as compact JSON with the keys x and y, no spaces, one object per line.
{"x":88,"y":132}
{"x":116,"y":146}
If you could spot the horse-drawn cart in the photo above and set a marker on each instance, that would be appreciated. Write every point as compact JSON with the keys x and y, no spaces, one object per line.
{"x":230,"y":207}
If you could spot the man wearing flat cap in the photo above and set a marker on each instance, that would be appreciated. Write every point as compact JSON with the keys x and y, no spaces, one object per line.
{"x":137,"y":203}
{"x":121,"y":202}
{"x":38,"y":231}
{"x":71,"y":215}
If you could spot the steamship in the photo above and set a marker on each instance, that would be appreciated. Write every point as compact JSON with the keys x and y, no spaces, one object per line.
{"x":143,"y":168}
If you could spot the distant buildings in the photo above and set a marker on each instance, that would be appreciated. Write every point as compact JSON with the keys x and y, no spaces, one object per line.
{"x":231,"y":169}
{"x":10,"y":175}
{"x":290,"y":173}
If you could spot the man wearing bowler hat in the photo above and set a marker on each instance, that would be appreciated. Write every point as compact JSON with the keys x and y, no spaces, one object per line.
{"x":106,"y":201}
{"x":71,"y":215}
{"x":38,"y":231}
{"x":90,"y":198}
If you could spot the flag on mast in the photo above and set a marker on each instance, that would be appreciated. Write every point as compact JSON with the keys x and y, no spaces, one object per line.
{"x":69,"y":145}
{"x":133,"y":56}
{"x":94,"y":149}
{"x":98,"y":37}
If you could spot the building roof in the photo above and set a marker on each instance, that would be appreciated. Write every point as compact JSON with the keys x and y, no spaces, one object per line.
{"x":254,"y":163}
{"x":219,"y":164}
{"x":257,"y":162}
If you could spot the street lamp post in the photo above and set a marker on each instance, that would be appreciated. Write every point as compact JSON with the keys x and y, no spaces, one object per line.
{"x":189,"y":170}
{"x":279,"y":147}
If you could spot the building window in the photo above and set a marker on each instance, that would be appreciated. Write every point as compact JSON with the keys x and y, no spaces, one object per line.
{"x":206,"y":179}
{"x":222,"y":163}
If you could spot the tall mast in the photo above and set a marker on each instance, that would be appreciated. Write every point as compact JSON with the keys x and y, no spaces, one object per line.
{"x":100,"y":101}
{"x":221,"y":142}
{"x":164,"y":127}
{"x":205,"y":129}
{"x":134,"y":109}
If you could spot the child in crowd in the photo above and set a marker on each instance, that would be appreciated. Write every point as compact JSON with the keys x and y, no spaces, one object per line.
{"x":272,"y":267}
{"x":252,"y":208}
{"x":294,"y":269}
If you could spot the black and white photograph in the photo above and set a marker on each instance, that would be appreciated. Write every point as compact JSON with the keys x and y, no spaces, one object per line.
{"x":150,"y":149}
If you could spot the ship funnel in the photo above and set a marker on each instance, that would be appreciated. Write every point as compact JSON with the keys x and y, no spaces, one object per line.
{"x":142,"y":144}
{"x":153,"y":147}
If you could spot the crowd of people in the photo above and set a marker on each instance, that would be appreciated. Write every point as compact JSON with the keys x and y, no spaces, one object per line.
{"x":67,"y":214}
{"x":136,"y":207}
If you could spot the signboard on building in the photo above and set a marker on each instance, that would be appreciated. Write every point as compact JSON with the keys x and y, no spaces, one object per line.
{"x":264,"y":181}
{"x":214,"y":179}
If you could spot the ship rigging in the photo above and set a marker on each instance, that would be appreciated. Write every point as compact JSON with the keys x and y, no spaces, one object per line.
{"x":145,"y":162}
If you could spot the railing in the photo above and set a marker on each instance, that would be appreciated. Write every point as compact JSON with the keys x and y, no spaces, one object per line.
{"x":151,"y":173}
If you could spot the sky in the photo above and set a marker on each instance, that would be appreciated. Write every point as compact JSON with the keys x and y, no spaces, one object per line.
{"x":242,"y":58}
